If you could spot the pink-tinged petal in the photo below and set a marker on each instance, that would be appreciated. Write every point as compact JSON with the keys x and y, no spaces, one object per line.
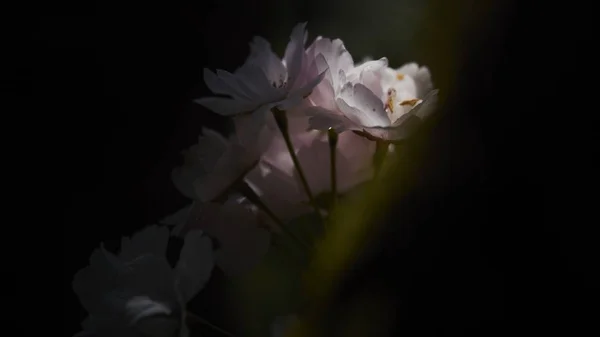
{"x":372,"y":80}
{"x":224,"y":85}
{"x":343,"y":57}
{"x":279,"y":191}
{"x":427,"y":106}
{"x":292,"y":101}
{"x":232,"y":80}
{"x":357,"y":150}
{"x":298,"y":121}
{"x":195,"y":265}
{"x":294,"y":54}
{"x":225,"y":106}
{"x":362,"y":106}
{"x":335,"y":57}
{"x":409,"y":123}
{"x":264,"y":58}
{"x":353,"y":114}
{"x":253,"y":135}
{"x":356,"y":74}
{"x":323,"y":119}
{"x":305,"y":91}
{"x":255,"y":80}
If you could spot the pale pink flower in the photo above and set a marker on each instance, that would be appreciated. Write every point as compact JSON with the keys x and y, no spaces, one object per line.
{"x":265,"y":81}
{"x":370,"y":97}
{"x":137,"y":292}
{"x":215,"y":163}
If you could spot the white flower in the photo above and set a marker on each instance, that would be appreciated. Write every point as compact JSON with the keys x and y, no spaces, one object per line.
{"x":265,"y":80}
{"x":380,"y":102}
{"x":242,"y":242}
{"x":214,"y":164}
{"x":137,"y":293}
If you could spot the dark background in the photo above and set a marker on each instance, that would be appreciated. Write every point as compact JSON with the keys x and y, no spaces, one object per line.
{"x":126,"y":73}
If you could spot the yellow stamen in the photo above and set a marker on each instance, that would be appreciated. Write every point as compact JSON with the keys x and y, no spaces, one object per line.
{"x":390,"y":103}
{"x":412,"y":102}
{"x":400,"y":76}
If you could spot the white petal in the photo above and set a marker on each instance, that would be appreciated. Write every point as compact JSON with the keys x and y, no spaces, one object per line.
{"x":248,"y":126}
{"x":420,"y":75}
{"x":428,"y":106}
{"x":308,"y":87}
{"x":225,"y":106}
{"x":409,"y":69}
{"x":362,"y":106}
{"x":294,"y":53}
{"x":355,"y":74}
{"x":140,"y":307}
{"x":224,"y":85}
{"x":255,"y":79}
{"x":262,"y":56}
{"x":323,"y":119}
{"x":195,"y":264}
{"x":409,"y":123}
{"x":150,"y":240}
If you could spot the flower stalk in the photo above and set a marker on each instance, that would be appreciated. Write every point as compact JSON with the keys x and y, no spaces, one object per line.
{"x":282,"y":123}
{"x":381,"y":150}
{"x":251,"y":195}
{"x":195,"y":319}
{"x":332,"y":137}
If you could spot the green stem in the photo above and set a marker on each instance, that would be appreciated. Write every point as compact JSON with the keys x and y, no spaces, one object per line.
{"x":381,"y":150}
{"x":197,"y":319}
{"x":282,"y":123}
{"x":249,"y":193}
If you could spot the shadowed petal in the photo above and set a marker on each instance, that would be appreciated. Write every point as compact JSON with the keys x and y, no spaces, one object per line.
{"x":195,"y":264}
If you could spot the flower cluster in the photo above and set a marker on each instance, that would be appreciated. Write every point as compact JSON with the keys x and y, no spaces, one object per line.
{"x":307,"y":127}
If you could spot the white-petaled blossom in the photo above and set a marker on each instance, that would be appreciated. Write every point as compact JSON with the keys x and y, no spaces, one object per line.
{"x":242,"y":240}
{"x":381,"y":102}
{"x":215,"y":163}
{"x":137,"y":293}
{"x":264,"y":81}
